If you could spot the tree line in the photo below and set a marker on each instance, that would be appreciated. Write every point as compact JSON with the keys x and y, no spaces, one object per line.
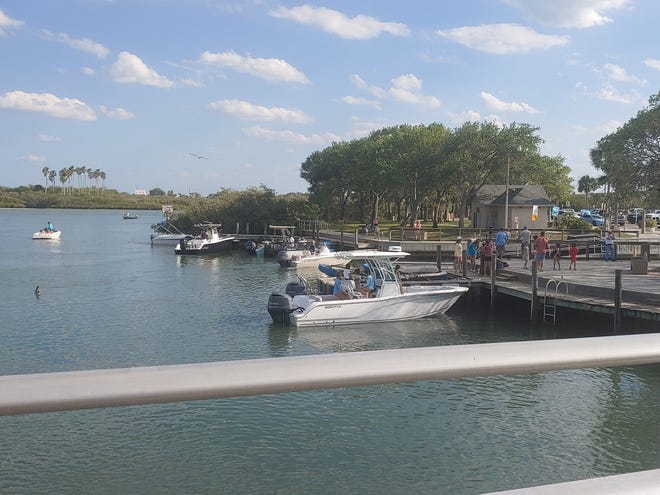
{"x":84,"y":175}
{"x":630,"y":161}
{"x":408,"y":171}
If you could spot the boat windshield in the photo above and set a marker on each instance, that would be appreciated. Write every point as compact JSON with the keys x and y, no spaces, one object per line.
{"x":381,"y":268}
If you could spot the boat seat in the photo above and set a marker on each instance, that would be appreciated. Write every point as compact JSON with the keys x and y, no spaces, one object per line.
{"x":348,"y":286}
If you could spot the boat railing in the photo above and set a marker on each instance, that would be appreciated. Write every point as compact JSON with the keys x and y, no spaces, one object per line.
{"x":75,"y":390}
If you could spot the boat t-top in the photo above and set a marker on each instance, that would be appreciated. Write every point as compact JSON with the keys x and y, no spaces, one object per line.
{"x":300,"y":305}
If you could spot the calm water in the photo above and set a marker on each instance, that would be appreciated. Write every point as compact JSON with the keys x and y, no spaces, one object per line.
{"x":108,"y":299}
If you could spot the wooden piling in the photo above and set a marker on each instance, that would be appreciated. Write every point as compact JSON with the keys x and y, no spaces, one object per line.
{"x":493,"y":287}
{"x":618,"y":296}
{"x":533,"y":315}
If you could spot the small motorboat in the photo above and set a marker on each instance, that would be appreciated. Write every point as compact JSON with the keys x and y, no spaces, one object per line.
{"x":254,"y":249}
{"x":210,"y":241}
{"x":129,"y":216}
{"x":47,"y":234}
{"x":166,"y":234}
{"x":389,"y":300}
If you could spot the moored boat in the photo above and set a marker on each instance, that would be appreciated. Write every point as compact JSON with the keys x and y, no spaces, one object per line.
{"x":129,"y":216}
{"x":210,"y":241}
{"x":389,"y":300}
{"x":166,"y":234}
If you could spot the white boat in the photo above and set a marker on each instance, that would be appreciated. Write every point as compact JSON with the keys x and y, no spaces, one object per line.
{"x":47,"y":234}
{"x":166,"y":234}
{"x":129,"y":216}
{"x":391,"y":301}
{"x":307,"y":259}
{"x":210,"y":241}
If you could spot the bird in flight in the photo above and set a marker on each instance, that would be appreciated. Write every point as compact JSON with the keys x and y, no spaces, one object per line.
{"x":198,"y":156}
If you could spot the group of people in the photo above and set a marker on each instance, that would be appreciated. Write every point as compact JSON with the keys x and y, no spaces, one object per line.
{"x":49,"y":228}
{"x":367,"y":289}
{"x":533,"y":248}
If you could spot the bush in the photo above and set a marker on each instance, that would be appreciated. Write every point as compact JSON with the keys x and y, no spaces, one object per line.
{"x":650,"y":223}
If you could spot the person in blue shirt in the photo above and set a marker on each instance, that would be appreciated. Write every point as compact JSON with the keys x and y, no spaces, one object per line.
{"x":501,"y":239}
{"x":369,"y":286}
{"x":50,"y":227}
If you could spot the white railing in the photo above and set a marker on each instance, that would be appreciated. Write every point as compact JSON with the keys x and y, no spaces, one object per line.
{"x":46,"y":392}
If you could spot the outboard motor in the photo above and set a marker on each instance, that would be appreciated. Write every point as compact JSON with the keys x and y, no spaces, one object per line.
{"x":295,"y":289}
{"x":280,"y":306}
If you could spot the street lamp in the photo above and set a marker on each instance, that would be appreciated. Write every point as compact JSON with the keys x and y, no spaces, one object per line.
{"x":506,"y":196}
{"x":506,"y":192}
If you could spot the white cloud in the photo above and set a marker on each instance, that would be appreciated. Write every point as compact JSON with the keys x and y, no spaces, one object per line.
{"x":610,"y":126}
{"x":88,"y":71}
{"x":7,"y":23}
{"x":290,"y":136}
{"x":352,"y":100}
{"x":49,"y":139}
{"x":406,"y":88}
{"x":466,"y":116}
{"x":618,"y":73}
{"x":569,"y":13}
{"x":83,"y":44}
{"x":502,"y":39}
{"x":35,"y":158}
{"x":64,"y":108}
{"x":130,"y":69}
{"x":271,"y":69}
{"x":249,"y":111}
{"x":117,"y":114}
{"x":609,"y":93}
{"x":653,"y":63}
{"x":360,"y":27}
{"x":502,"y":106}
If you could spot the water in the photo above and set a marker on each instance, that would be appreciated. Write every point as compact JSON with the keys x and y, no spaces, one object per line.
{"x":108,"y":299}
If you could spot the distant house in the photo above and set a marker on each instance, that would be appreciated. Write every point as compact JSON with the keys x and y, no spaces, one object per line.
{"x":141,"y":192}
{"x":489,"y":204}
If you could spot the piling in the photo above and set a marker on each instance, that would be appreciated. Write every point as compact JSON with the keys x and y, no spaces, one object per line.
{"x":618,"y":296}
{"x":535,"y":288}
{"x":493,"y":287}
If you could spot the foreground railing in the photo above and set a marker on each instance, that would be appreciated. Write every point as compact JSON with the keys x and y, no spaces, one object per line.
{"x":46,"y":392}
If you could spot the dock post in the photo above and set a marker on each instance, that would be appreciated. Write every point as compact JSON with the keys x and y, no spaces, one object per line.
{"x":587,"y":252}
{"x":618,"y":293}
{"x":465,"y":264}
{"x":438,"y":257}
{"x":493,"y":287}
{"x":535,"y":288}
{"x":357,"y":239}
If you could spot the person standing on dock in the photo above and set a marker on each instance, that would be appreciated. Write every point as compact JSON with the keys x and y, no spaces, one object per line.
{"x":501,"y":239}
{"x":556,"y":257}
{"x":525,"y":238}
{"x":487,"y":255}
{"x":458,"y":255}
{"x":540,"y":248}
{"x":472,"y":254}
{"x":572,"y":254}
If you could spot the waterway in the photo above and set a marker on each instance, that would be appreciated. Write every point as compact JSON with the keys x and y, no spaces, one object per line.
{"x":109,"y":299}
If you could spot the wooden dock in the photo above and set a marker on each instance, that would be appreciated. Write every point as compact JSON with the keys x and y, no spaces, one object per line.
{"x":591,"y":288}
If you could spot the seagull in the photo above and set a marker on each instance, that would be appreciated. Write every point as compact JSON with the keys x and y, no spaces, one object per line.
{"x":198,"y":156}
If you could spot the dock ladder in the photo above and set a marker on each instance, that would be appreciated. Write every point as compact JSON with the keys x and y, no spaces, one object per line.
{"x":550,"y":303}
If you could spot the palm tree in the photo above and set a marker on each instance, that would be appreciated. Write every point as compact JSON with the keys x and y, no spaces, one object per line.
{"x":587,"y":185}
{"x":45,"y":172}
{"x":102,"y":175}
{"x":52,"y":175}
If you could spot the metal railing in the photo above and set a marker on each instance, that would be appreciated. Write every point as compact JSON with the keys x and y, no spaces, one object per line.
{"x":46,"y":392}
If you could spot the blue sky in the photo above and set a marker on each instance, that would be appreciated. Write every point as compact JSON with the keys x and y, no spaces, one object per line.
{"x":136,"y":88}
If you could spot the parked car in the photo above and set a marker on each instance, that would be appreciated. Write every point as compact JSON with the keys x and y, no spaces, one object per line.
{"x":568,"y":212}
{"x":653,"y":215}
{"x":620,"y":219}
{"x":635,"y":215}
{"x":593,"y":219}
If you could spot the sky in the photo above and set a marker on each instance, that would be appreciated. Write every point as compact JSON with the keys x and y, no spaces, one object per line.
{"x":203,"y":95}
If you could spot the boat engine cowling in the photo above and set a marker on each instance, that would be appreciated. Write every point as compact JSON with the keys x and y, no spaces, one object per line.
{"x":295,"y":289}
{"x":280,"y":306}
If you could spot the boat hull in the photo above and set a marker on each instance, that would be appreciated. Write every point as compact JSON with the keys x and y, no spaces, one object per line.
{"x":167,"y":239}
{"x":52,"y":236}
{"x":202,"y":246}
{"x":417,"y":302}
